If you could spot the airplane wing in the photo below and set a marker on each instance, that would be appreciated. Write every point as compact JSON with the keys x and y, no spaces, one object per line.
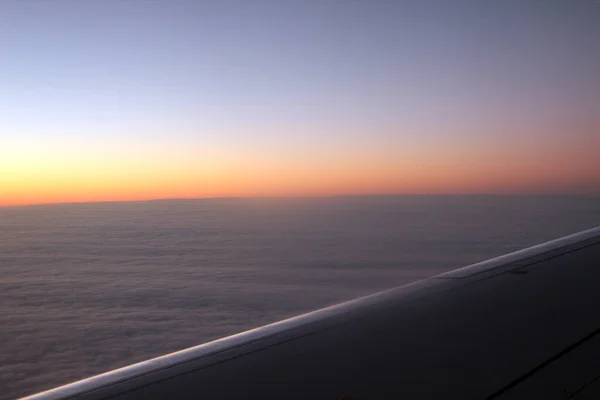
{"x":522,"y":326}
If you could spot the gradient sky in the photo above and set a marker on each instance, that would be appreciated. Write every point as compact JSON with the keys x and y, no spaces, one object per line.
{"x":141,"y":99}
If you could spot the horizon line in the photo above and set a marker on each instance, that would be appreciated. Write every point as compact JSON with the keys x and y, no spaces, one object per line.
{"x":313,"y":196}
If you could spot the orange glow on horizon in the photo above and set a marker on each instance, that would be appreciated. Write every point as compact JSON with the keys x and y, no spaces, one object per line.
{"x":36,"y":175}
{"x":432,"y":178}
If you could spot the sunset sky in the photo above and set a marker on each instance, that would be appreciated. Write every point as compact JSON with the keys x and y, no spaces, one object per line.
{"x":143,"y":99}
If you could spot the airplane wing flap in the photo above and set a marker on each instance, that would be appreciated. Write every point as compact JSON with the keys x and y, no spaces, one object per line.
{"x":574,"y":374}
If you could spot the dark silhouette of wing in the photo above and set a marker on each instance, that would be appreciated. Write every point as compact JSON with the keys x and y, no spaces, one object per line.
{"x":525,"y":325}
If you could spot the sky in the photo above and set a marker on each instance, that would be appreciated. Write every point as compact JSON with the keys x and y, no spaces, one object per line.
{"x":144,"y":99}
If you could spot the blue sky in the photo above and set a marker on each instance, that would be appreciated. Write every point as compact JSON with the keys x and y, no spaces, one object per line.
{"x":286,"y":75}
